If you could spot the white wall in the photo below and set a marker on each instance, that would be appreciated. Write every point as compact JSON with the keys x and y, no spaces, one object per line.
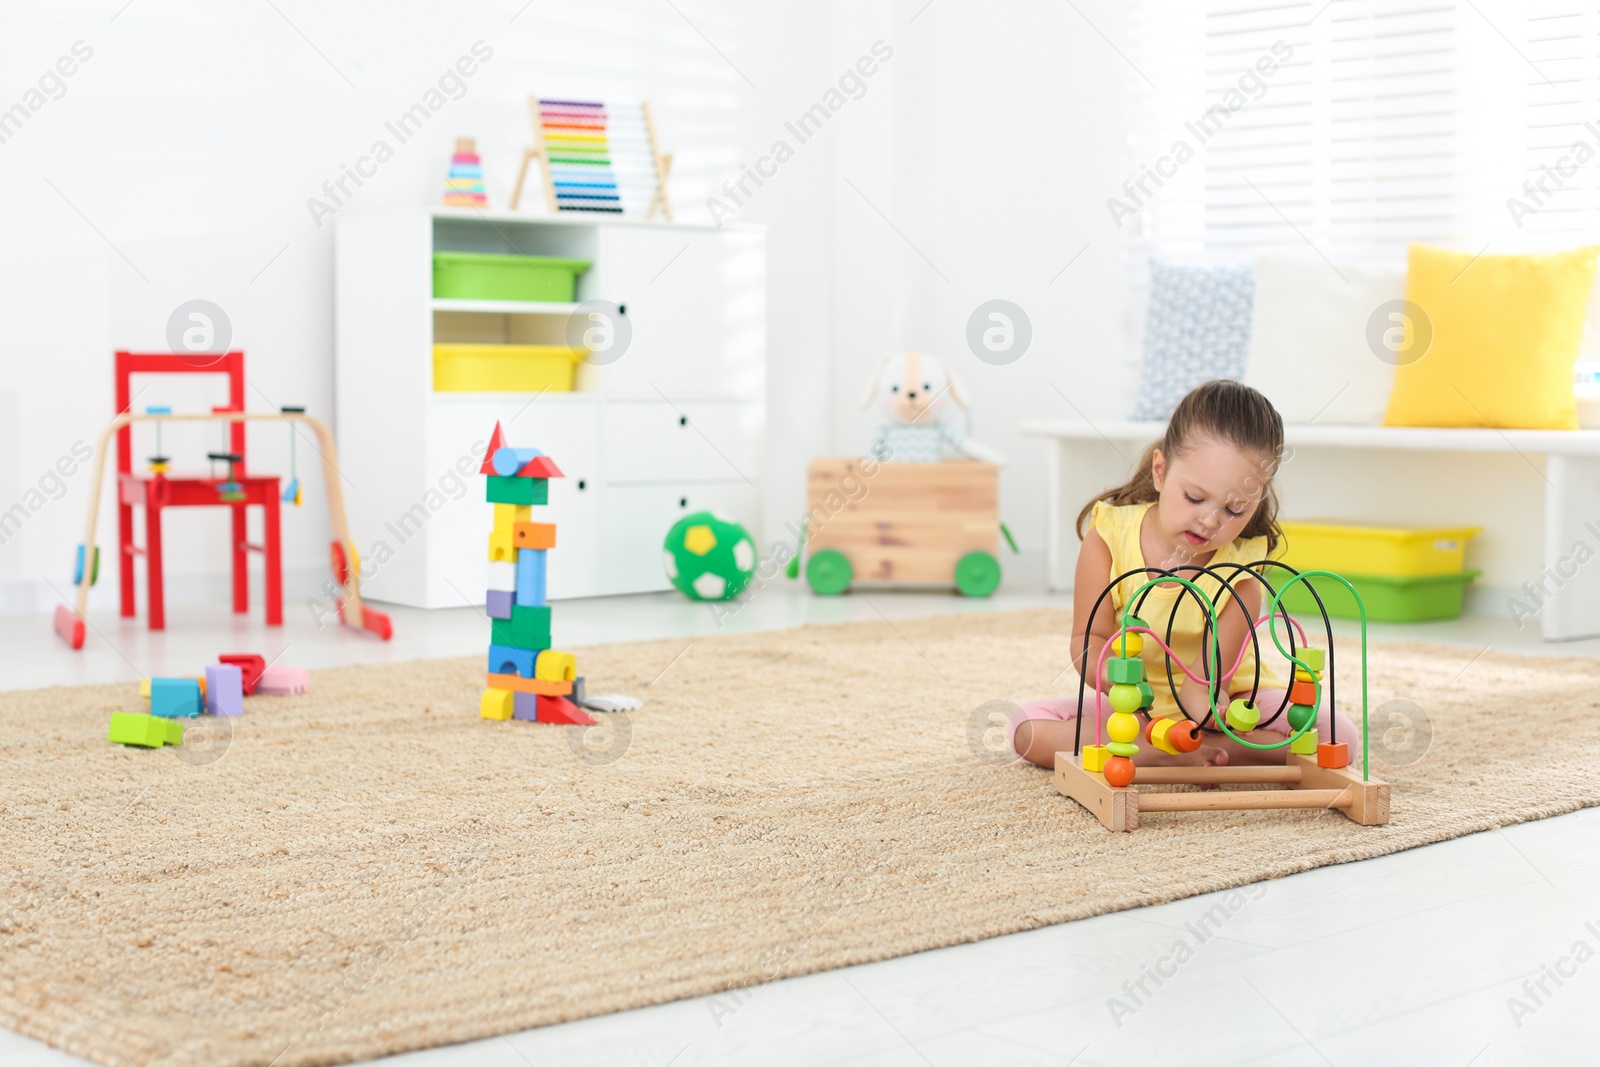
{"x":177,"y":163}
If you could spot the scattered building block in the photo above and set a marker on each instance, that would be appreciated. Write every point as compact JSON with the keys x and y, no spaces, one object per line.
{"x":553,"y":666}
{"x":506,"y":659}
{"x":69,"y":624}
{"x":225,"y":690}
{"x":284,"y":680}
{"x":146,"y":731}
{"x":175,"y":698}
{"x":535,"y":535}
{"x":497,"y":604}
{"x":496,"y":704}
{"x":249,"y":664}
{"x":530,"y":577}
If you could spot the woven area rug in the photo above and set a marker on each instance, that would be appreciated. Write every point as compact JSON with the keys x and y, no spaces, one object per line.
{"x":372,"y":868}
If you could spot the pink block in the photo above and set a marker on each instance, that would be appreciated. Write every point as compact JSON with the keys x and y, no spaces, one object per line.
{"x":225,"y":690}
{"x":284,"y":680}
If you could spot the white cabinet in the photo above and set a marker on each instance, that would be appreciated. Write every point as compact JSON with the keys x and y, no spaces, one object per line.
{"x":644,"y":515}
{"x":674,"y":425}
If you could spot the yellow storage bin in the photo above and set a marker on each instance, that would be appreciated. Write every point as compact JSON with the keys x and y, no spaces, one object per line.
{"x":1377,"y":550}
{"x":465,"y":368}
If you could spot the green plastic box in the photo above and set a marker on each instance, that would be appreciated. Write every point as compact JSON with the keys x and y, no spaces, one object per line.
{"x":485,"y":276}
{"x":1433,"y":596}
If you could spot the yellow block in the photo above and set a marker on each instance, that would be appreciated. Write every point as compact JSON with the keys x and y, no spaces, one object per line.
{"x":1094,"y":758}
{"x":496,"y":704}
{"x":1305,"y":744}
{"x":503,"y":541}
{"x":144,"y":688}
{"x":553,"y":666}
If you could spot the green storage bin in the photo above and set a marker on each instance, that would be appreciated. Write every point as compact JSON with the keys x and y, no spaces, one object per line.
{"x":484,"y":276}
{"x":1433,"y":596}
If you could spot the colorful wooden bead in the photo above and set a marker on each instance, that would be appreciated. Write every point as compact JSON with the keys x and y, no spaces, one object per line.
{"x":1125,"y":670}
{"x":1314,"y":658}
{"x":1128,"y":749}
{"x":1125,"y":698}
{"x":1122,"y":727}
{"x":1305,"y":744}
{"x":1333,"y":756}
{"x":1127,"y":644}
{"x":1183,"y":735}
{"x":1300,"y":715}
{"x":1243,"y":715}
{"x":1156,"y":733}
{"x":1147,"y":696}
{"x":1304,"y":676}
{"x":1119,"y":771}
{"x":1303,"y":693}
{"x":1094,"y":757}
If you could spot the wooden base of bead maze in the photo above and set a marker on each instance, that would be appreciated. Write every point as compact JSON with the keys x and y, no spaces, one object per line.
{"x":1306,"y":785}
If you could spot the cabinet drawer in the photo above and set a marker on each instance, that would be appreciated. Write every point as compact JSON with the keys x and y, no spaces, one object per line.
{"x":645,"y":442}
{"x":639,"y":516}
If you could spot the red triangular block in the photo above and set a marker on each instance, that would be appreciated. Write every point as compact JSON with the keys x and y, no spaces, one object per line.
{"x":497,"y":441}
{"x":540,"y":467}
{"x":562,"y":711}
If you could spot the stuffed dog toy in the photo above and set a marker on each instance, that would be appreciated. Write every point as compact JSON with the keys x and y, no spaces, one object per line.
{"x":923,"y":407}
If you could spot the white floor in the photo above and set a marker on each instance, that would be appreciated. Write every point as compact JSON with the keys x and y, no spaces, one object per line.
{"x":1433,"y":956}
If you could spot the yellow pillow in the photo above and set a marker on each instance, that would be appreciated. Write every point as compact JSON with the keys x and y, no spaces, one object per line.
{"x":1505,"y":336}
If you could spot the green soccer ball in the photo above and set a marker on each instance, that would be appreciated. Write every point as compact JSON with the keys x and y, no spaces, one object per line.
{"x":709,"y":556}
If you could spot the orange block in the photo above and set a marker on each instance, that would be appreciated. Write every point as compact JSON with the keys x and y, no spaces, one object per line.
{"x":1334,"y":756}
{"x":530,"y":685}
{"x":534,"y":534}
{"x":1302,"y":692}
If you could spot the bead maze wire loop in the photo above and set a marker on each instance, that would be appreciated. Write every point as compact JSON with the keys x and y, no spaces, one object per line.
{"x":1212,"y":678}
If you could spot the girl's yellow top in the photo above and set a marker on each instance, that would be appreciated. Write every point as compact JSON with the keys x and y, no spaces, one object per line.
{"x":1119,"y":528}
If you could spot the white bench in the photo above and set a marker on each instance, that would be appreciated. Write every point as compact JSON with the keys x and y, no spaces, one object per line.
{"x":1571,"y":473}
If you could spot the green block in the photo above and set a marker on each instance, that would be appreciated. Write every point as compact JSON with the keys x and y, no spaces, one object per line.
{"x":1147,"y":696}
{"x":1305,"y":744}
{"x":146,"y":731}
{"x":1125,"y":670}
{"x":1312,"y":657}
{"x":518,"y":490}
{"x":505,"y":632}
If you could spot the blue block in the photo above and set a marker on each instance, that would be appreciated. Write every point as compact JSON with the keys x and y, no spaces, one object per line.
{"x":503,"y":659}
{"x":498,"y":603}
{"x":508,"y":461}
{"x":175,"y":698}
{"x":530,"y":577}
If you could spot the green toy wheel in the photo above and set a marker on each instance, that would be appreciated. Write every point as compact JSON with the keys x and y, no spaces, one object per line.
{"x":828,"y":572}
{"x":977,"y":574}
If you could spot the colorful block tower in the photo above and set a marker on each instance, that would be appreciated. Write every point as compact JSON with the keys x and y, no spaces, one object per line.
{"x":463,"y":186}
{"x":527,"y":678}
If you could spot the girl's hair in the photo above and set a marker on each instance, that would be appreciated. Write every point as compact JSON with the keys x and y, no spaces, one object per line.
{"x":1223,"y":411}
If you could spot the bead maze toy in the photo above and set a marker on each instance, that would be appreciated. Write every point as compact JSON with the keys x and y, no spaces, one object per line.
{"x":1316,"y":774}
{"x":527,"y":679}
{"x":158,"y":490}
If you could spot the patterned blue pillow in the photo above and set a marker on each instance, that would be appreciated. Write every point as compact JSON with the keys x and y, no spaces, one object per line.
{"x":1197,"y":329}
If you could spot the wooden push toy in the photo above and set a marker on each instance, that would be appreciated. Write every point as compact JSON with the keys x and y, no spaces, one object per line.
{"x":527,"y":678}
{"x":158,"y":490}
{"x":913,"y":523}
{"x":1103,"y":777}
{"x":597,"y":156}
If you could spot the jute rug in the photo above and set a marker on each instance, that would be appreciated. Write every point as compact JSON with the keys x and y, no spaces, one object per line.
{"x":372,"y":868}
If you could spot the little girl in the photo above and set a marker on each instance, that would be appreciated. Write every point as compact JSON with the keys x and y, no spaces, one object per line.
{"x":1202,"y":496}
